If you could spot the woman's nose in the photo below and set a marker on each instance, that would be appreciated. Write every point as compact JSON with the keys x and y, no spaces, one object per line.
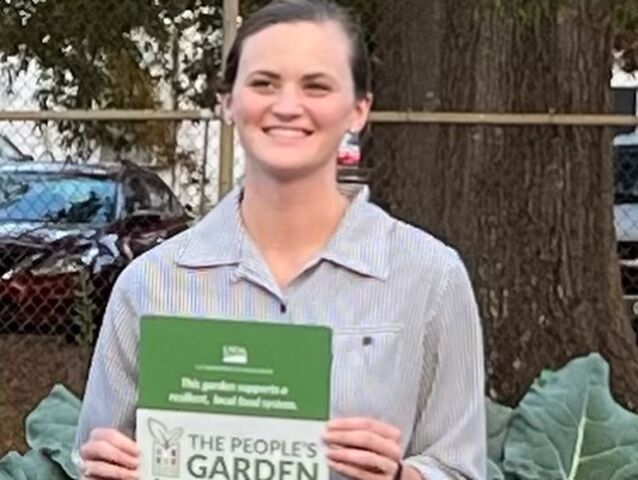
{"x":288,"y":102}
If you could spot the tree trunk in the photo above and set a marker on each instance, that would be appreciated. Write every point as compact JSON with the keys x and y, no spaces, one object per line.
{"x":530,"y":208}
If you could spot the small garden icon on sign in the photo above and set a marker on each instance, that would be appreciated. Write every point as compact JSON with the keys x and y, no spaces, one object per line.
{"x":166,"y":449}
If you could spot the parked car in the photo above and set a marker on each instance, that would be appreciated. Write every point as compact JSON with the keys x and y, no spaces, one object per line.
{"x":626,"y":218}
{"x":66,"y":232}
{"x":9,"y":152}
{"x":349,"y":153}
{"x":349,"y":169}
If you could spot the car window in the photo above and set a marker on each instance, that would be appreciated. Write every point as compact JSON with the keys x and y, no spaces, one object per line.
{"x":160,"y":195}
{"x":173,"y":207}
{"x":136,"y":195}
{"x":151,"y":194}
{"x":626,"y":181}
{"x":177,"y":209}
{"x":55,"y":198}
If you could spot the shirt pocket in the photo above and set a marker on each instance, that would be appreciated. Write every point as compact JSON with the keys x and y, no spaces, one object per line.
{"x":365,"y":367}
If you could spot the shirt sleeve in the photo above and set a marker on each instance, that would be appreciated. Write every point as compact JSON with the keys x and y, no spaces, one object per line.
{"x":449,"y":439}
{"x":111,"y":390}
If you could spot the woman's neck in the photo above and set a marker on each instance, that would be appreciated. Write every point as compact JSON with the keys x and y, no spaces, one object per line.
{"x":296,"y":216}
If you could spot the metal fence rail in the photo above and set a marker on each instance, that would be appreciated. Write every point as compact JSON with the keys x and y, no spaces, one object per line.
{"x":408,"y":117}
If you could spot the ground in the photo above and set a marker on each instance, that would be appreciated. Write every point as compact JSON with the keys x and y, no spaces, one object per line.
{"x":30,"y":366}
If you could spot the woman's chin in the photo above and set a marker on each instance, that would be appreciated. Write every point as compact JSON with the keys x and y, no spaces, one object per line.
{"x":292,"y":169}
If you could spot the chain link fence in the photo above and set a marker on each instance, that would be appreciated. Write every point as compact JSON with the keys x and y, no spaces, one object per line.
{"x":80,"y":199}
{"x":68,"y":226}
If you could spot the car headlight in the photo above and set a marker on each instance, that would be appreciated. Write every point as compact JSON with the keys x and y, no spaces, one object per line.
{"x":59,"y":266}
{"x":22,"y":266}
{"x":64,"y":264}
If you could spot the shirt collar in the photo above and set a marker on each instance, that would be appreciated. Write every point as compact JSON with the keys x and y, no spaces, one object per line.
{"x":360,"y":243}
{"x":216,"y":238}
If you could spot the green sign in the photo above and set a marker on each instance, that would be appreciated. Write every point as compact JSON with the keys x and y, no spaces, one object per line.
{"x":226,"y":399}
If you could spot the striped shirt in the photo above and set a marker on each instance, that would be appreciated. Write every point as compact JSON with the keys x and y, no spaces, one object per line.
{"x":408,"y":295}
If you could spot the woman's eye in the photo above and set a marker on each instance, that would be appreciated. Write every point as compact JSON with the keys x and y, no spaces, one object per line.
{"x":262,"y":84}
{"x":318,"y":88}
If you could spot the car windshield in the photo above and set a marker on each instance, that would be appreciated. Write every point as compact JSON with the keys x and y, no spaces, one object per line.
{"x":55,"y":198}
{"x":626,"y":184}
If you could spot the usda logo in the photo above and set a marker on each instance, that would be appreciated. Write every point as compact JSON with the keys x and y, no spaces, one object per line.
{"x":165,"y":449}
{"x":234,"y":354}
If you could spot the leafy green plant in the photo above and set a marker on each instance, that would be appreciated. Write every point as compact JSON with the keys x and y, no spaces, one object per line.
{"x":34,"y":465}
{"x":50,"y":432}
{"x":84,"y":309}
{"x":499,"y":417}
{"x":567,"y":427}
{"x":50,"y":428}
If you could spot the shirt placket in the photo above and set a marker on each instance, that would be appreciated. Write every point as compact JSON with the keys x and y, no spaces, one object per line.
{"x":253,"y":269}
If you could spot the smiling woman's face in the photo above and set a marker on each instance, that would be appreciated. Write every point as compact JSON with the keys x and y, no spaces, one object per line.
{"x":293,"y":99}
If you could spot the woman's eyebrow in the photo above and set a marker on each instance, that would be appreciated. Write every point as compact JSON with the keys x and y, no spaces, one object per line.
{"x":275,"y":76}
{"x":265,"y":73}
{"x":317,"y":76}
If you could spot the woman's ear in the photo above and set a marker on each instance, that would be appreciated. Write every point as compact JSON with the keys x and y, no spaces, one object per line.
{"x":225,"y":100}
{"x":361,"y":113}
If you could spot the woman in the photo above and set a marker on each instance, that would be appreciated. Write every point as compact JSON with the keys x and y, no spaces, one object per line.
{"x":289,"y":246}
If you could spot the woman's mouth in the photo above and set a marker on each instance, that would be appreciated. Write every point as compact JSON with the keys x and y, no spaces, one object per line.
{"x":287,"y":132}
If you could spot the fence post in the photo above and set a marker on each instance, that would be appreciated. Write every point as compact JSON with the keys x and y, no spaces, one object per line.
{"x":226,"y":138}
{"x":204,"y":173}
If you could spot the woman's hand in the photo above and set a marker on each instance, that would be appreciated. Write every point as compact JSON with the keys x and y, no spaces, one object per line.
{"x":108,"y":454}
{"x":363,"y":448}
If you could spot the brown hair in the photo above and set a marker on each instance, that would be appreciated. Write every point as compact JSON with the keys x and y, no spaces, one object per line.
{"x":291,"y":11}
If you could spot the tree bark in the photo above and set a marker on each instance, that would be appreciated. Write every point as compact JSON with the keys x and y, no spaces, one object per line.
{"x":530,"y":208}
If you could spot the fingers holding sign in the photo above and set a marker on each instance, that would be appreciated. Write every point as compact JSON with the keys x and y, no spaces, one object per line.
{"x":363,"y":448}
{"x":108,"y":454}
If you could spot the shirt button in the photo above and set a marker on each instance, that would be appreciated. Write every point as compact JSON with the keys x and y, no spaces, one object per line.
{"x":283,"y":308}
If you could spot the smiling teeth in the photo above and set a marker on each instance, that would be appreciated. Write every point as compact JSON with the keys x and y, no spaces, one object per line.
{"x":286,"y":133}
